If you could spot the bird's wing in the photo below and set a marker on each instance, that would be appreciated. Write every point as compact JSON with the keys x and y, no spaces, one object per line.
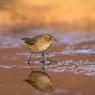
{"x":29,"y":41}
{"x":35,"y":39}
{"x":32,"y":41}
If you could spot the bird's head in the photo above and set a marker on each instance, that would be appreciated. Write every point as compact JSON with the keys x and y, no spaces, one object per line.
{"x":49,"y":37}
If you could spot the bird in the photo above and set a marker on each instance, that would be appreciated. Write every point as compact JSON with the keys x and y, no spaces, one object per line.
{"x":41,"y":81}
{"x":39,"y":44}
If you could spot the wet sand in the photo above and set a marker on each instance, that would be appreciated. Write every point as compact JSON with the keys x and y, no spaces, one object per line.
{"x":74,"y":74}
{"x":12,"y":83}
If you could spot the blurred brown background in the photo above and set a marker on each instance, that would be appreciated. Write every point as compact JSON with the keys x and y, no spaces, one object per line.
{"x":66,"y":15}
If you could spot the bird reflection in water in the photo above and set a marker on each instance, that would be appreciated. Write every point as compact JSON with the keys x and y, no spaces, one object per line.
{"x":41,"y":81}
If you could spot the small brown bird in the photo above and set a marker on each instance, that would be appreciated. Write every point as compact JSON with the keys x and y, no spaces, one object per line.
{"x":39,"y":44}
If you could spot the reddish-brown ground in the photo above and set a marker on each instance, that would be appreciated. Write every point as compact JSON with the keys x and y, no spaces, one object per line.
{"x":73,"y":75}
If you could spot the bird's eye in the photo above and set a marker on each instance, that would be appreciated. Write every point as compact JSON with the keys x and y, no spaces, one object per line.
{"x":50,"y":38}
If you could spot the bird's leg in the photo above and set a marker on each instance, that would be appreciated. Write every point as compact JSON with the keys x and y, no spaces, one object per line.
{"x":43,"y":62}
{"x":29,"y":60}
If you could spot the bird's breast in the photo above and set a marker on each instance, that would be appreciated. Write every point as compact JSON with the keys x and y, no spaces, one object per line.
{"x":44,"y":46}
{"x":39,"y":47}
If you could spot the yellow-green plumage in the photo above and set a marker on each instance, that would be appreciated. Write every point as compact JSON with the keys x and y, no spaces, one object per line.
{"x":39,"y":43}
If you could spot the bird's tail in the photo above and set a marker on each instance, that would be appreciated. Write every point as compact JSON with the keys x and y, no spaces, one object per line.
{"x":26,"y":40}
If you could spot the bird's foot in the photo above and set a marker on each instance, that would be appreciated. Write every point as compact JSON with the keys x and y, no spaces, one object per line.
{"x":51,"y":61}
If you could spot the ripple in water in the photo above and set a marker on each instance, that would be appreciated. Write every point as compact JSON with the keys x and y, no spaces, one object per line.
{"x":54,"y":53}
{"x":78,"y":51}
{"x":81,"y":67}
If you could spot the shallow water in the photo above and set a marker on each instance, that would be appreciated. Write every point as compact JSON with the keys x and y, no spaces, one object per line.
{"x":70,"y":63}
{"x":75,"y":61}
{"x":73,"y":74}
